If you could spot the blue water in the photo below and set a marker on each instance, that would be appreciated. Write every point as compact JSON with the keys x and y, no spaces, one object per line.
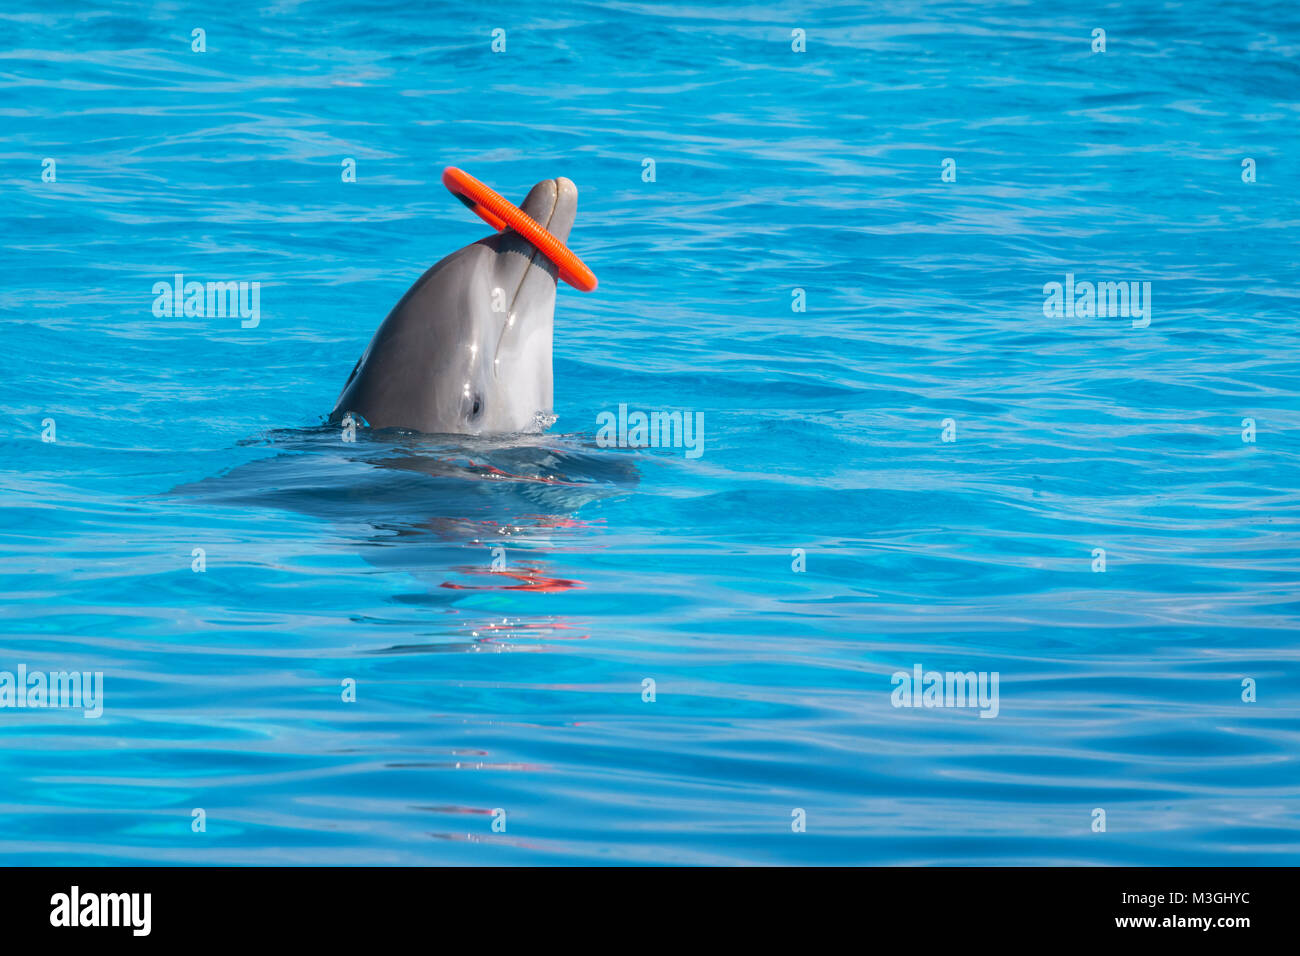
{"x":520,"y":689}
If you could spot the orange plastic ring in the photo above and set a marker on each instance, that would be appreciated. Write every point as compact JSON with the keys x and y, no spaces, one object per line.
{"x":500,"y":213}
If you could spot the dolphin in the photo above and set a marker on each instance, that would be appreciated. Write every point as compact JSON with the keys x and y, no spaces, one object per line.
{"x":467,"y":349}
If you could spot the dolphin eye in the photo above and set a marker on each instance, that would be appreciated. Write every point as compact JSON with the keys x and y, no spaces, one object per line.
{"x":478,"y":406}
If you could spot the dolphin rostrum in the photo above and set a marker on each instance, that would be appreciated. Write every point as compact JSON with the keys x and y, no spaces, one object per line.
{"x":467,"y":349}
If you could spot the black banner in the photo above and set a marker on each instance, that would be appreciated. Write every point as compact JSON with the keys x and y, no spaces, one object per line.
{"x":944,"y":906}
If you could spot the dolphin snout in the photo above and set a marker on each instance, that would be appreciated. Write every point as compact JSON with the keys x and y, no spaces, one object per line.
{"x":554,"y":204}
{"x":565,"y":209}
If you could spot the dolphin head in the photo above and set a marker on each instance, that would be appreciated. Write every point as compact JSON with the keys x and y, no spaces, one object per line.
{"x":467,"y":349}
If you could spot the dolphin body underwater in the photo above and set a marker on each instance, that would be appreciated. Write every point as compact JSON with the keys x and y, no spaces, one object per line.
{"x":467,"y":349}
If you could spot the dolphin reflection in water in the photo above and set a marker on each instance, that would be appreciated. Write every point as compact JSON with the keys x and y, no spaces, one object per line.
{"x":455,"y":513}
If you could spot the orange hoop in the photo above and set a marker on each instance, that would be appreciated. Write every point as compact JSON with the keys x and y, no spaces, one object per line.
{"x":500,"y":213}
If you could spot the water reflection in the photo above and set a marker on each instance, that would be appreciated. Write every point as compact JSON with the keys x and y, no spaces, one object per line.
{"x":460,"y":515}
